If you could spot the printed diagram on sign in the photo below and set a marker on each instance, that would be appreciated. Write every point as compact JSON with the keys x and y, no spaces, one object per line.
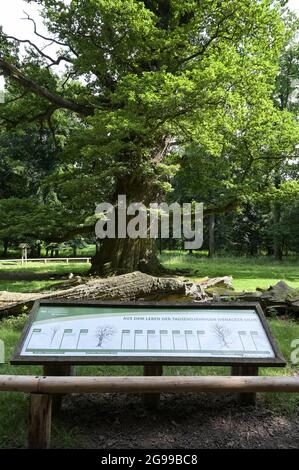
{"x":222,"y":333}
{"x":104,"y":333}
{"x":55,"y":329}
{"x":153,"y":333}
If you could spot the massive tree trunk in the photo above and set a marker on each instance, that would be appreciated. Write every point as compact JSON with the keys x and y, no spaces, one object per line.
{"x":125,"y":255}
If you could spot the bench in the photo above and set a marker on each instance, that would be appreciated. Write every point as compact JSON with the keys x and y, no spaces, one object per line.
{"x":62,"y":334}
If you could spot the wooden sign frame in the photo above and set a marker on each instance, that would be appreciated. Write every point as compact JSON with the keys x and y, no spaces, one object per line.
{"x":277,"y":361}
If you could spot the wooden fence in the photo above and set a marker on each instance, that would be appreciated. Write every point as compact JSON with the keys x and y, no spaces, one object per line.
{"x":43,"y":389}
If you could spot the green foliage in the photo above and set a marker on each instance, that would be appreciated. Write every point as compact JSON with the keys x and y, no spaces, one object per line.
{"x":159,"y":88}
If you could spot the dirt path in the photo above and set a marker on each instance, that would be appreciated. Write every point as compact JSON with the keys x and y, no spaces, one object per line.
{"x":186,"y":422}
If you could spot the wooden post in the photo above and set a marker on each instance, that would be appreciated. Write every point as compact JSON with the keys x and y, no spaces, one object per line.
{"x":58,"y":370}
{"x":39,"y":434}
{"x":246,"y":370}
{"x":151,"y":400}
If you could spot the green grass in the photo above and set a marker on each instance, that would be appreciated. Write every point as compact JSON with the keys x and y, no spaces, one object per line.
{"x":49,"y":268}
{"x":28,"y":285}
{"x":14,"y":406}
{"x":248,"y":273}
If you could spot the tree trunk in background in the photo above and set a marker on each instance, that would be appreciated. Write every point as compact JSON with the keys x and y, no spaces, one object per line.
{"x":277,"y":246}
{"x":286,"y":250}
{"x":5,"y":247}
{"x":276,"y":212}
{"x":39,"y":247}
{"x":211,"y":235}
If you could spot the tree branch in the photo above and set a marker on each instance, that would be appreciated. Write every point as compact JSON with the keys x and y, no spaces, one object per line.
{"x":214,"y":36}
{"x":56,"y":41}
{"x":19,"y":77}
{"x":25,"y":118}
{"x":40,"y":52}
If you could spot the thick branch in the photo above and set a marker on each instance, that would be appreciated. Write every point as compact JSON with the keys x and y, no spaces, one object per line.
{"x":18,"y":76}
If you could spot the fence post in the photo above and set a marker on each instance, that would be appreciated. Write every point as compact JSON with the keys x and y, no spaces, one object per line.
{"x":246,"y":370}
{"x":40,"y":413}
{"x":152,"y":400}
{"x":58,"y":370}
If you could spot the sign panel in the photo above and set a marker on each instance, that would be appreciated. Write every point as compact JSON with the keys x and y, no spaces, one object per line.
{"x":102,"y":331}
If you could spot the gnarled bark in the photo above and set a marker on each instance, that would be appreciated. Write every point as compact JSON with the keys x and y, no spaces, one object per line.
{"x":126,"y":287}
{"x":126,"y":255}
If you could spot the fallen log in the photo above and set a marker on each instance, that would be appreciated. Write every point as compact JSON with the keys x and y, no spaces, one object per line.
{"x":126,"y":287}
{"x":141,"y":286}
{"x":220,"y":282}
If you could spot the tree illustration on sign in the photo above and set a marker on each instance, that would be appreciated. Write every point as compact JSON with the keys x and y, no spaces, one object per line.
{"x":222,"y":333}
{"x":54,"y":330}
{"x":104,"y":333}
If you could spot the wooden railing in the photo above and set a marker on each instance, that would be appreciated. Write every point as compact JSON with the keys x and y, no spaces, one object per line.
{"x":42,"y":389}
{"x":84,"y":259}
{"x":153,"y":384}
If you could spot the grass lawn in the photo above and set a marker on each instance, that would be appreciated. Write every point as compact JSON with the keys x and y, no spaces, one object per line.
{"x":29,"y":285}
{"x":49,"y":268}
{"x":14,"y":406}
{"x":248,"y":273}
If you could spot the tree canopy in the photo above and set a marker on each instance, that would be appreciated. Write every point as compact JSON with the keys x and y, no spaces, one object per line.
{"x":150,"y":87}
